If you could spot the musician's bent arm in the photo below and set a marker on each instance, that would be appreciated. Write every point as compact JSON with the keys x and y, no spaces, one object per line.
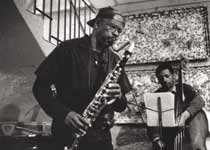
{"x":196,"y":101}
{"x":54,"y":108}
{"x":51,"y":105}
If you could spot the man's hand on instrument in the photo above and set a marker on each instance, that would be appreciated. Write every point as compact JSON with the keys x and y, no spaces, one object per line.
{"x":182,"y":118}
{"x":77,"y":121}
{"x":113,"y":91}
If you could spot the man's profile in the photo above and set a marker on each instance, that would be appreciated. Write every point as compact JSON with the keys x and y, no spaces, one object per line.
{"x":77,"y":68}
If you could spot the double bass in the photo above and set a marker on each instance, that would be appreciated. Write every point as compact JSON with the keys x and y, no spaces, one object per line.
{"x":197,"y":121}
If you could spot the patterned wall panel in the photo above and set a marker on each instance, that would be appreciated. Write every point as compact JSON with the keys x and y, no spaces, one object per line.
{"x":164,"y":35}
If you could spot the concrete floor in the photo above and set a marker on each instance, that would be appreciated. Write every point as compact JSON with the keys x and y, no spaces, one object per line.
{"x":128,"y":137}
{"x":147,"y":146}
{"x":135,"y":138}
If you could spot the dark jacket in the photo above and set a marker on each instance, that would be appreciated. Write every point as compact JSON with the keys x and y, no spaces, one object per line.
{"x":77,"y":72}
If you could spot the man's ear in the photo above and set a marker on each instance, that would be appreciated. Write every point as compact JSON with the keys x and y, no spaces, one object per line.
{"x":95,"y":25}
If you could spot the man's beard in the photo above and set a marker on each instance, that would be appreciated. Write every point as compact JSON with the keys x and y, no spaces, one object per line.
{"x":167,"y":86}
{"x":109,"y":41}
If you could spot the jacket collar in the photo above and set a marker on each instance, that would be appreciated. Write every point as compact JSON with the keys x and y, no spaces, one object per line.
{"x":85,"y":42}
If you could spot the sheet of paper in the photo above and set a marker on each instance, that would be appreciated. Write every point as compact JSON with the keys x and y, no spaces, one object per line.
{"x":166,"y":105}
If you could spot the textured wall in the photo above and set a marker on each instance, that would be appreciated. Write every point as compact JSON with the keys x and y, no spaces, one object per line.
{"x":19,"y":56}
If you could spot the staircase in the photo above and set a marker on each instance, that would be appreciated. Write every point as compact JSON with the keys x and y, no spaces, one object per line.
{"x":63,"y":19}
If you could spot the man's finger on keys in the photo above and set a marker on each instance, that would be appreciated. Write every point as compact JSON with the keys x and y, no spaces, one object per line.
{"x":113,"y":85}
{"x":111,"y":101}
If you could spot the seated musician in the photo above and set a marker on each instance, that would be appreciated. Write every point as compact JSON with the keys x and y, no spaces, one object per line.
{"x":190,"y":113}
{"x":77,"y":69}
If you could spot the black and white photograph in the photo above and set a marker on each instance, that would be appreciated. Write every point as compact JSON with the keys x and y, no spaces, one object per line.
{"x":105,"y":75}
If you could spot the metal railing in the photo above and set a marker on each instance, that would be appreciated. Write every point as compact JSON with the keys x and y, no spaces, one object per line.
{"x":64,"y":19}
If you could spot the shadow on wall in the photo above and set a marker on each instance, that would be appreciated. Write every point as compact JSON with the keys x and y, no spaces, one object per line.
{"x":12,"y":125}
{"x":9,"y":112}
{"x":20,"y":55}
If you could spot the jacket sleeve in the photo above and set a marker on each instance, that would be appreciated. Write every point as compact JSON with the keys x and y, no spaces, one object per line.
{"x":51,"y":105}
{"x":46,"y":75}
{"x":120,"y":104}
{"x":196,"y":102}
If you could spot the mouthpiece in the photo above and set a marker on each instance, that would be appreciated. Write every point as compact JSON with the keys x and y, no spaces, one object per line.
{"x":131,"y":47}
{"x":117,"y":49}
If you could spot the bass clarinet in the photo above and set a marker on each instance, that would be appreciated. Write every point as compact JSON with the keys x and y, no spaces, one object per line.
{"x":99,"y":101}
